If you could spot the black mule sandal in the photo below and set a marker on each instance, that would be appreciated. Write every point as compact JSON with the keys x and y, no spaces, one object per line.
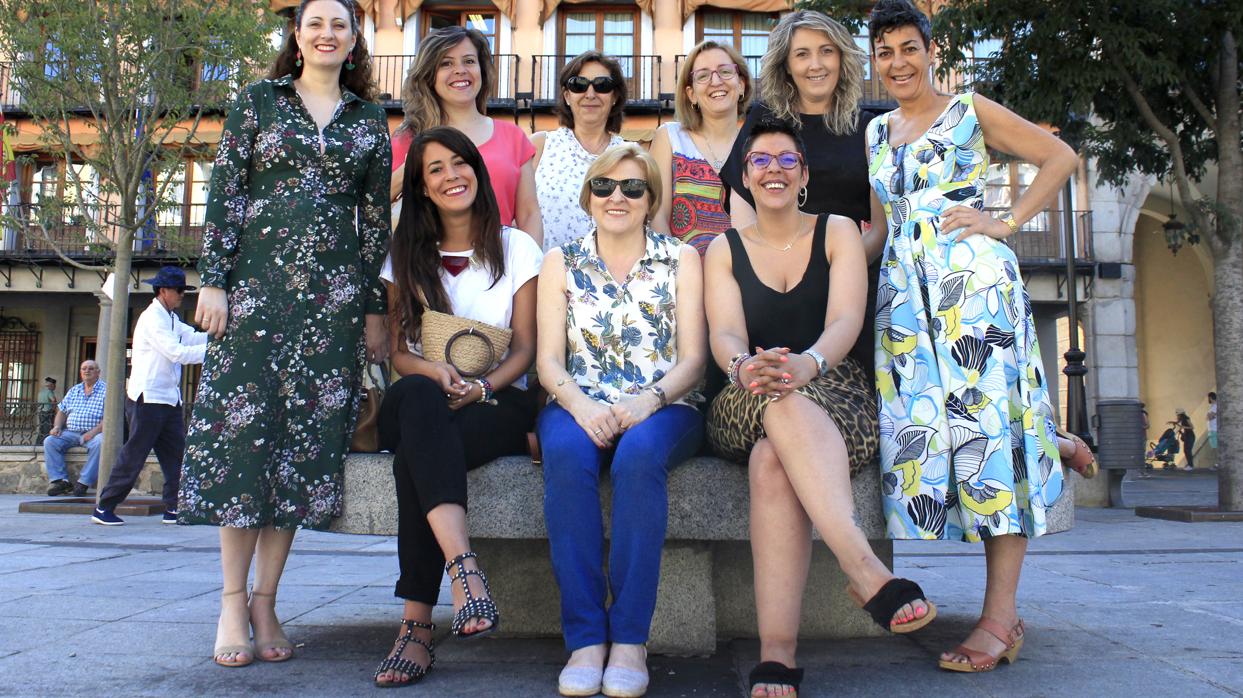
{"x":395,"y":662}
{"x":897,"y":593}
{"x":475,"y":608}
{"x":774,"y":673}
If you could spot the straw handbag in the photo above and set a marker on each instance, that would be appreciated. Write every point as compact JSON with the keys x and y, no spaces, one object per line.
{"x":470,"y":346}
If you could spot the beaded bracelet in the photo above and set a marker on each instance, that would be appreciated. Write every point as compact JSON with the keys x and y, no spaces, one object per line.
{"x":735,"y":367}
{"x":485,"y":390}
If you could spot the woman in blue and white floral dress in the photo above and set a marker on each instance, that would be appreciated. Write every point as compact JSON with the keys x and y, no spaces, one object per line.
{"x":621,"y":347}
{"x":969,"y":449}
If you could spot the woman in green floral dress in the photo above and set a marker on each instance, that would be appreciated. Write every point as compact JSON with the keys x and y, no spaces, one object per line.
{"x":296,"y":230}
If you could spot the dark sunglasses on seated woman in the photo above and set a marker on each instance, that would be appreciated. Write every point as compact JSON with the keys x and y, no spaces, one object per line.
{"x":631,"y":188}
{"x":787,"y":159}
{"x":579,"y":84}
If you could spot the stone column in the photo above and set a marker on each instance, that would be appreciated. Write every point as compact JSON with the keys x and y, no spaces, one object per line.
{"x":1109,"y":320}
{"x":102,"y":333}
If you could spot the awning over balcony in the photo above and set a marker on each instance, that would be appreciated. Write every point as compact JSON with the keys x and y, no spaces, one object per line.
{"x":689,"y":6}
{"x":403,"y":8}
{"x":550,"y":6}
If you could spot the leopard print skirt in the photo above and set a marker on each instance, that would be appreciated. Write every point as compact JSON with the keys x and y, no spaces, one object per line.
{"x":736,"y":417}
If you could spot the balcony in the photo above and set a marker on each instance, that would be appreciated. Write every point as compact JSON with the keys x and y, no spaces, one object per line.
{"x":389,"y":73}
{"x":642,"y":75}
{"x":1041,"y":245}
{"x":87,"y":233}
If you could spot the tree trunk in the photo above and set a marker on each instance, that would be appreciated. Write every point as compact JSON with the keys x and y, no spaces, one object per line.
{"x":1227,"y":328}
{"x":114,"y":404}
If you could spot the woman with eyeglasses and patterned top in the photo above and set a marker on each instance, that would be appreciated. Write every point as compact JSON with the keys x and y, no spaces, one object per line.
{"x":620,"y":349}
{"x":785,"y":300}
{"x":811,"y":76}
{"x":448,"y":85}
{"x":589,"y":109}
{"x":714,"y":87}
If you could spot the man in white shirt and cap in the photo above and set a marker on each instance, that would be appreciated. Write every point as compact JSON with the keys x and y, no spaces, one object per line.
{"x":162,"y":343}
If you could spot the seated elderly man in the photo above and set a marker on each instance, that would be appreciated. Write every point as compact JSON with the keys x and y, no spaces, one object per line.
{"x":79,"y":422}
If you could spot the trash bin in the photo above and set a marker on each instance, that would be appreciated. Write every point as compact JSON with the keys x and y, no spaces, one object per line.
{"x":1120,"y":434}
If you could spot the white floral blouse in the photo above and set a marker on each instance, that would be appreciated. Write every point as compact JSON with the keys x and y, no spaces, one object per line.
{"x":621,"y":336}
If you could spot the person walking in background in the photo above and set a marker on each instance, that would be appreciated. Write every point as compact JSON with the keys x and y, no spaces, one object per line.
{"x":162,"y":343}
{"x":1186,"y":436}
{"x":589,"y":109}
{"x":296,"y":229}
{"x":448,"y":84}
{"x":79,"y":423}
{"x":714,"y":87}
{"x":47,"y":406}
{"x":621,"y":348}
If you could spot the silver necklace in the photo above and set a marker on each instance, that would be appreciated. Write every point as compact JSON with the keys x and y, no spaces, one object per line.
{"x":759,"y":238}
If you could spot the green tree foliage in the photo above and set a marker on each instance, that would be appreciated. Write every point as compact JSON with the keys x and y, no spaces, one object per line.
{"x":122,"y":86}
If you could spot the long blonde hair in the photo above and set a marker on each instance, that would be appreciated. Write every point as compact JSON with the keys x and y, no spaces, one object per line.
{"x":777,"y":87}
{"x":419,"y":101}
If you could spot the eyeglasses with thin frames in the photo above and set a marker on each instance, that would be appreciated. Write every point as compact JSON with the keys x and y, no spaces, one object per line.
{"x":727,"y":71}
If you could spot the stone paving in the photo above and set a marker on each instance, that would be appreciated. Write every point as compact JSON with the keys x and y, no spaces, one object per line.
{"x":1120,"y":606}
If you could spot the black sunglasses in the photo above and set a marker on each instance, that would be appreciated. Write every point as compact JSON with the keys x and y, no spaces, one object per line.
{"x":579,"y":84}
{"x":631,"y":188}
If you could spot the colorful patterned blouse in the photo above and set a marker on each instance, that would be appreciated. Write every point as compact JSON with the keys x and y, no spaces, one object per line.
{"x":621,"y":337}
{"x":697,"y":213}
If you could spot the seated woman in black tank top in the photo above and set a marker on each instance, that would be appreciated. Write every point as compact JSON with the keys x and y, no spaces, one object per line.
{"x":791,"y":288}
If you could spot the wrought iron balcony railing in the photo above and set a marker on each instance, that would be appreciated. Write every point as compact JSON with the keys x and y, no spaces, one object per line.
{"x":389,"y":73}
{"x":31,"y":231}
{"x":642,"y":73}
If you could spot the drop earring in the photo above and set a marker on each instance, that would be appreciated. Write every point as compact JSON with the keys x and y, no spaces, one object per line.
{"x":349,"y":61}
{"x":298,"y":62}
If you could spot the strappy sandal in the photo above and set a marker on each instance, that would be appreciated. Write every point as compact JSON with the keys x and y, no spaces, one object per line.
{"x":395,"y":662}
{"x":475,"y":608}
{"x":978,"y":661}
{"x":247,"y":649}
{"x":280,"y":643}
{"x":774,"y":673}
{"x":896,"y":593}
{"x":1084,"y":461}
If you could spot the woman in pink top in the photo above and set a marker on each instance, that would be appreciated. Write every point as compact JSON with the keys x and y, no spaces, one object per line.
{"x":448,"y":85}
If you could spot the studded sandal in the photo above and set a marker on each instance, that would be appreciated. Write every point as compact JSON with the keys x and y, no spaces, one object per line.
{"x":395,"y":662}
{"x":475,"y":608}
{"x":977,"y":661}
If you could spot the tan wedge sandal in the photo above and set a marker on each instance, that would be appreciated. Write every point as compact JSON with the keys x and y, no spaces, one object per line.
{"x":279,"y":643}
{"x":247,"y":650}
{"x":977,"y":661}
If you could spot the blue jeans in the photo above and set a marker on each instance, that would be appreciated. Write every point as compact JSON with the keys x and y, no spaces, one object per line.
{"x":54,"y":448}
{"x":640,"y":464}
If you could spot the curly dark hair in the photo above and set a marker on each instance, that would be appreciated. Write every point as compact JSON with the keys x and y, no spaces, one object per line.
{"x":357,"y":80}
{"x":572,"y":69}
{"x":888,"y":15}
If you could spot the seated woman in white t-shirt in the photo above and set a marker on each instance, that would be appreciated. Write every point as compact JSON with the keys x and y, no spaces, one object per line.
{"x":450,"y":253}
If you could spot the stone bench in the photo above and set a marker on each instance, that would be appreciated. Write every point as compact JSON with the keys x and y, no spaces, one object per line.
{"x":706,"y":590}
{"x":22,"y":470}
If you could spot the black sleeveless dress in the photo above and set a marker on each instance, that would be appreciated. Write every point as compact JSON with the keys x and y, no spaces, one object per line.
{"x":794,"y":319}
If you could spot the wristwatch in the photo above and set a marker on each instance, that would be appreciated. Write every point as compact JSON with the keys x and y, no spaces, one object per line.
{"x":822,"y":366}
{"x":1012,"y":224}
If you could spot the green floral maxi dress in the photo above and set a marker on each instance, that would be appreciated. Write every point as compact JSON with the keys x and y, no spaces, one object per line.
{"x":296,"y":237}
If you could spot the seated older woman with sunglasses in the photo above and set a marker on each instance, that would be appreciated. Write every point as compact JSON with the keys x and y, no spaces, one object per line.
{"x":620,"y":348}
{"x":790,"y":288}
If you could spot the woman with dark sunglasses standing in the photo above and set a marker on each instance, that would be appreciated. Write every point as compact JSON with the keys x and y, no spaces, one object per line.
{"x":971,"y":451}
{"x":589,"y":108}
{"x":620,"y":349}
{"x":784,"y":304}
{"x":448,"y":85}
